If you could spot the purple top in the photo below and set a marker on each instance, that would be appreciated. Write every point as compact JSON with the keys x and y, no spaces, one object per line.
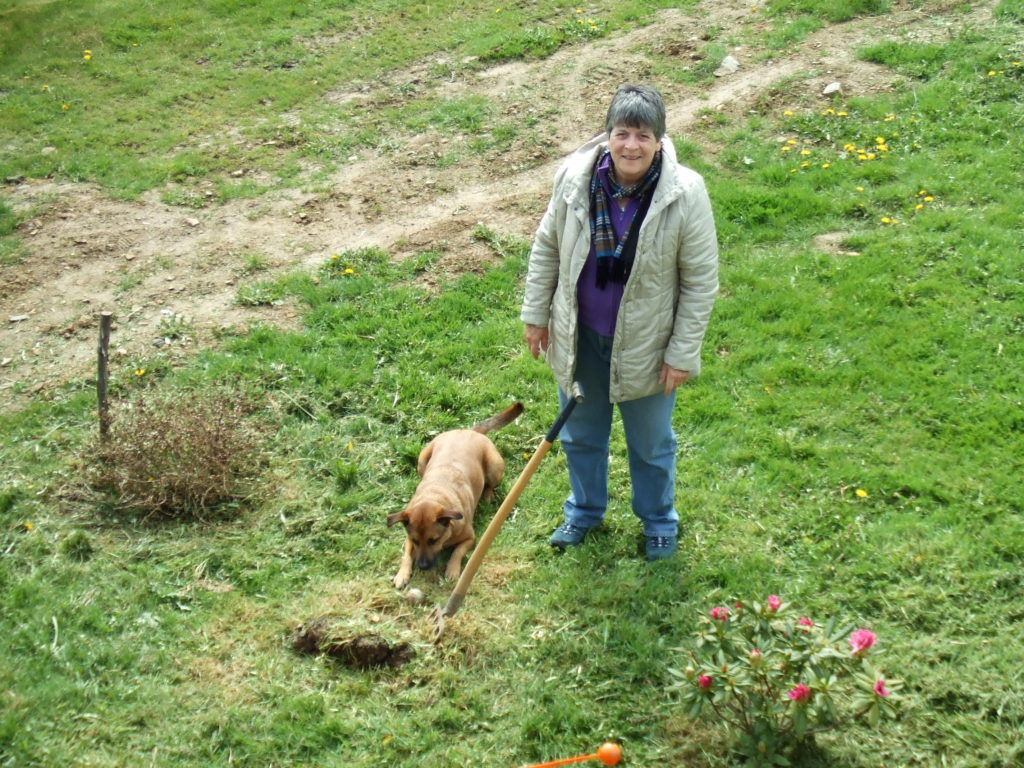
{"x":600,"y":307}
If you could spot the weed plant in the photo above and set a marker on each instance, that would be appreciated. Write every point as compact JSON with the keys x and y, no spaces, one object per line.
{"x":179,"y":453}
{"x":854,"y":442}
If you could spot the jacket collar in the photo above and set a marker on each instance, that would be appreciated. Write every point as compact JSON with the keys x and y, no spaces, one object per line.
{"x":580,"y":163}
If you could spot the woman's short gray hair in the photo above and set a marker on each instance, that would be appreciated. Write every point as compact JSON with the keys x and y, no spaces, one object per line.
{"x":638,"y":106}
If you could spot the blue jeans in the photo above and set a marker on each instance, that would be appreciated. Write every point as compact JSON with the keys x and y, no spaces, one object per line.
{"x":650,"y":443}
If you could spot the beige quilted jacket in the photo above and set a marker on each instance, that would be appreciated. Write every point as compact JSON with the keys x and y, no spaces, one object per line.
{"x":667,"y":301}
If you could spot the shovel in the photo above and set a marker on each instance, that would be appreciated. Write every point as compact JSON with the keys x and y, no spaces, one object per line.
{"x":462,"y":586}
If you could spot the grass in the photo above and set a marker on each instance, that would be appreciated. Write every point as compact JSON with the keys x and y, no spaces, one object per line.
{"x":889,"y":365}
{"x":133,"y":97}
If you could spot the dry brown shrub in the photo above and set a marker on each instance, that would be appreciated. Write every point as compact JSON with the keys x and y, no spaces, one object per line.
{"x":181,"y":453}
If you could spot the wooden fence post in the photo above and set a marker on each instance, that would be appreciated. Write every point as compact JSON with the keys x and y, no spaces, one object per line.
{"x":106,"y":318}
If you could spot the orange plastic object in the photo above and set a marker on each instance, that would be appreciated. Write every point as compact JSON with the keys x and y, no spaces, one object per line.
{"x":609,"y":753}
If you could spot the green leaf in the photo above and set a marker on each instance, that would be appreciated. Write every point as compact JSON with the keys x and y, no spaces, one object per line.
{"x":696,"y":708}
{"x":874,"y":714}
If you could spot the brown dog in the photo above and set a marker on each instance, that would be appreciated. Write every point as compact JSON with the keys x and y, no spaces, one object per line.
{"x":456,"y":468}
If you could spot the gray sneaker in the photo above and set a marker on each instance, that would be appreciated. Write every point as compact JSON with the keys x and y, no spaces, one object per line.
{"x":660,"y":547}
{"x":567,"y":535}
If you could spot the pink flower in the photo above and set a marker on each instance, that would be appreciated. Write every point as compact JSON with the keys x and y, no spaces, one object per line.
{"x":880,"y":689}
{"x":704,"y":681}
{"x":800,"y":693}
{"x":806,"y":623}
{"x":719,"y":613}
{"x":773,"y":603}
{"x":861,"y":640}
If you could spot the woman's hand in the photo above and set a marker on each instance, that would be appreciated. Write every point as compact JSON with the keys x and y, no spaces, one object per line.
{"x":672,"y":378}
{"x":536,"y":339}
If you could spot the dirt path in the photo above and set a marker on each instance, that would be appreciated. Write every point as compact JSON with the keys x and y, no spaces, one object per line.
{"x":151,"y":263}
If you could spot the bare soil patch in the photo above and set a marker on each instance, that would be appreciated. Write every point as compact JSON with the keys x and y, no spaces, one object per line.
{"x":149,"y":262}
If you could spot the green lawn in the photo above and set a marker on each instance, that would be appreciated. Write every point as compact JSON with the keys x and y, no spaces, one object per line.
{"x":853,"y":445}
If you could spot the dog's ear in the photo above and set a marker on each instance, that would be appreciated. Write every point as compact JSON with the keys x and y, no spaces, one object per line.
{"x":446,"y":517}
{"x":399,"y":517}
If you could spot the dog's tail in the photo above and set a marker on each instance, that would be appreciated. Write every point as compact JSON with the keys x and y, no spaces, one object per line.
{"x":499,"y":420}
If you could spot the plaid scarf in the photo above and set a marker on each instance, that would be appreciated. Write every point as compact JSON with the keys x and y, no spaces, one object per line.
{"x":615,"y":257}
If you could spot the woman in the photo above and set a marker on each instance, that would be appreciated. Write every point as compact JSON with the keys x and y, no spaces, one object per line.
{"x":621,"y":281}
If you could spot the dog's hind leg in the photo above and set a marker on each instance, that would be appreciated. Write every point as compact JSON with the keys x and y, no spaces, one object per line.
{"x":494,"y":470}
{"x":424,"y":458}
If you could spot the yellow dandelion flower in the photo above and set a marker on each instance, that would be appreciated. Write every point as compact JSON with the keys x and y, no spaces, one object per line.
{"x":991,"y":73}
{"x":65,"y":107}
{"x":579,"y":10}
{"x":860,"y":189}
{"x":804,"y":164}
{"x":791,"y":141}
{"x":792,"y":170}
{"x":788,"y":113}
{"x":890,"y":118}
{"x":27,"y":526}
{"x":879,"y":140}
{"x":140,"y":371}
{"x":861,"y":493}
{"x":886,"y":220}
{"x":883,"y":147}
{"x":787,"y":148}
{"x":805,"y":152}
{"x":842,"y":114}
{"x":349,"y":446}
{"x":46,"y":87}
{"x":871,"y":155}
{"x":826,"y":165}
{"x":334,"y":257}
{"x":929,"y":199}
{"x":849,"y":147}
{"x":919,"y":207}
{"x":349,"y":271}
{"x":922,"y":192}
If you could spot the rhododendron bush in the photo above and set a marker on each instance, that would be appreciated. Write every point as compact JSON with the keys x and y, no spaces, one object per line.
{"x":777,"y":677}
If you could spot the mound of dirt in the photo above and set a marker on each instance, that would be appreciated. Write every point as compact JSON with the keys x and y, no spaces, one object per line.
{"x":361,"y":651}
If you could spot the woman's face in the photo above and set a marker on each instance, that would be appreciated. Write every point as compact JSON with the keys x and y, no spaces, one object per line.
{"x":633,"y":151}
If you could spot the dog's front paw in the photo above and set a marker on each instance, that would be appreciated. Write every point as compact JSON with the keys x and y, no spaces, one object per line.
{"x":453,"y":571}
{"x":402,"y":579}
